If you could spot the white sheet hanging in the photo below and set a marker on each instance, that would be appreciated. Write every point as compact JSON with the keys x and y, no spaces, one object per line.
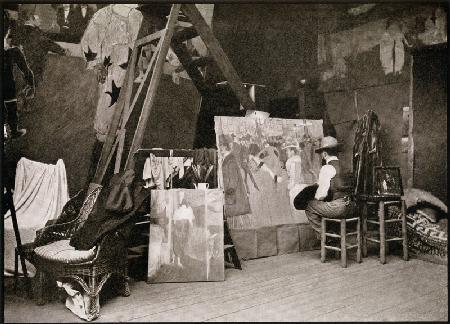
{"x":40,"y":194}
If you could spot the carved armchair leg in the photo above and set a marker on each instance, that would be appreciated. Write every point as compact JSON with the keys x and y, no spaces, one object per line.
{"x":123,"y":285}
{"x":92,"y":292}
{"x":39,"y":285}
{"x":92,"y":303}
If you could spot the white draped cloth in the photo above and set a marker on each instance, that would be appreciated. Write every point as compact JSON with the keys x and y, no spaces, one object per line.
{"x":40,"y":194}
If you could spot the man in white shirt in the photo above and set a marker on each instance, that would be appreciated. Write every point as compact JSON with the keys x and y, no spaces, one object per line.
{"x":332,"y":198}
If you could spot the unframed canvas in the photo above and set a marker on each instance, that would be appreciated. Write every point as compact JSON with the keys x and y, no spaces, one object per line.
{"x":186,"y":236}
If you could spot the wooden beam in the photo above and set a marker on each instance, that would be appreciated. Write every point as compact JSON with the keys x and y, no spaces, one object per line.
{"x":154,"y":83}
{"x":126,"y":109}
{"x":410,"y":179}
{"x":224,"y":64}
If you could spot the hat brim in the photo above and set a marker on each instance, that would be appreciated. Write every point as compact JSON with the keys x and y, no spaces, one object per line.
{"x":320,"y":149}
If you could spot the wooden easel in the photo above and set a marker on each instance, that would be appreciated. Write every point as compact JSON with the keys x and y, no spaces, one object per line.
{"x":172,"y":36}
{"x":19,"y":251}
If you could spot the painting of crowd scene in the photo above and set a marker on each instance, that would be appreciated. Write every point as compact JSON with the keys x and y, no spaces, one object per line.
{"x":263,"y":165}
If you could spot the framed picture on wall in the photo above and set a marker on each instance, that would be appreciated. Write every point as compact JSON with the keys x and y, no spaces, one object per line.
{"x":387,"y":181}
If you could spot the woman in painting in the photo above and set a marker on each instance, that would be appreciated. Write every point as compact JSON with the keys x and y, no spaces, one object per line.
{"x":183,"y":222}
{"x":293,"y":168}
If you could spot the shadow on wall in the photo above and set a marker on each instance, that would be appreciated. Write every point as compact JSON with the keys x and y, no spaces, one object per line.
{"x":60,"y":121}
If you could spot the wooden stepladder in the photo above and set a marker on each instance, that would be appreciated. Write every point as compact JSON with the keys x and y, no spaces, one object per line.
{"x":173,"y":36}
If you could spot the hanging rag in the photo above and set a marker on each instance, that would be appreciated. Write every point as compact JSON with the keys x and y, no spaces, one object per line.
{"x":392,"y":52}
{"x":78,"y":302}
{"x":154,"y":172}
{"x":40,"y":194}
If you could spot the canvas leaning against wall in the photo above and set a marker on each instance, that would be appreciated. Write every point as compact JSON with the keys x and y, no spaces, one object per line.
{"x":263,"y":165}
{"x":186,"y":236}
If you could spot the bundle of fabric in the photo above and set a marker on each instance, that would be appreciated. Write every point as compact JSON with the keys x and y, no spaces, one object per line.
{"x":116,"y":204}
{"x":40,"y":194}
{"x":426,"y":223}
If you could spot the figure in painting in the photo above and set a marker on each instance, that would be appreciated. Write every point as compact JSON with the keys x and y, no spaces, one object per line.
{"x":183,"y":222}
{"x":293,"y":168}
{"x":236,"y":199}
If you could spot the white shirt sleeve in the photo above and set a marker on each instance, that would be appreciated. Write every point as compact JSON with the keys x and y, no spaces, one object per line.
{"x":327,"y":172}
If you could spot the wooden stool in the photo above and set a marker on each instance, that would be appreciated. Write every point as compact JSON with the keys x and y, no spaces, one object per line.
{"x":344,"y":247}
{"x":381,"y":222}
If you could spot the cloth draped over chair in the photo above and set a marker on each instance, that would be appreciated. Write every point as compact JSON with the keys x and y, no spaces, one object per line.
{"x":40,"y":194}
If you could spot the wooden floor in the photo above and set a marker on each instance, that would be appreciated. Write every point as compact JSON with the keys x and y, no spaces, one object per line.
{"x":294,"y":287}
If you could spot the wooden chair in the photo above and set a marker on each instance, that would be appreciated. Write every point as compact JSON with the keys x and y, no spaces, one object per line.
{"x":387,"y":190}
{"x":342,"y":236}
{"x":381,"y":203}
{"x":92,"y":270}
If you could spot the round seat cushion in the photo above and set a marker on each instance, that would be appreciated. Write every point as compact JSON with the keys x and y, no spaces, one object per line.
{"x":61,"y":251}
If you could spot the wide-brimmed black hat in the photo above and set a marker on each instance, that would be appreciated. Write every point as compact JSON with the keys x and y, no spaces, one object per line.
{"x":327,"y":143}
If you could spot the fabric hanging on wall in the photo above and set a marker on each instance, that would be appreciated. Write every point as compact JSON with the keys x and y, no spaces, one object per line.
{"x":366,"y":152}
{"x":108,"y":42}
{"x":392,"y":52}
{"x":40,"y":194}
{"x":154,"y":172}
{"x":182,"y":172}
{"x":252,"y":167}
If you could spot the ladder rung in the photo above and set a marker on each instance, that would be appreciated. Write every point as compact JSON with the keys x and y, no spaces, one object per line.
{"x":351,"y":219}
{"x":393,"y":220}
{"x":149,"y":38}
{"x":394,"y":239}
{"x":184,"y":34}
{"x":386,"y":221}
{"x":332,"y":235}
{"x":143,"y":222}
{"x":372,"y":240}
{"x":336,"y":220}
{"x":392,"y":202}
{"x":352,"y":233}
{"x":352,"y":246}
{"x":332,"y":248}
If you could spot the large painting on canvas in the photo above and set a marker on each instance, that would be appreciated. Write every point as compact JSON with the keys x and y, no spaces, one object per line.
{"x":186,"y":236}
{"x":263,"y":165}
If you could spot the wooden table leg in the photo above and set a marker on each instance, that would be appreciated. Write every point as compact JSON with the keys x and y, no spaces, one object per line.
{"x":404,"y":232}
{"x":364,"y":229}
{"x":381,"y":216}
{"x":358,"y":241}
{"x":343,"y":243}
{"x":323,"y":237}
